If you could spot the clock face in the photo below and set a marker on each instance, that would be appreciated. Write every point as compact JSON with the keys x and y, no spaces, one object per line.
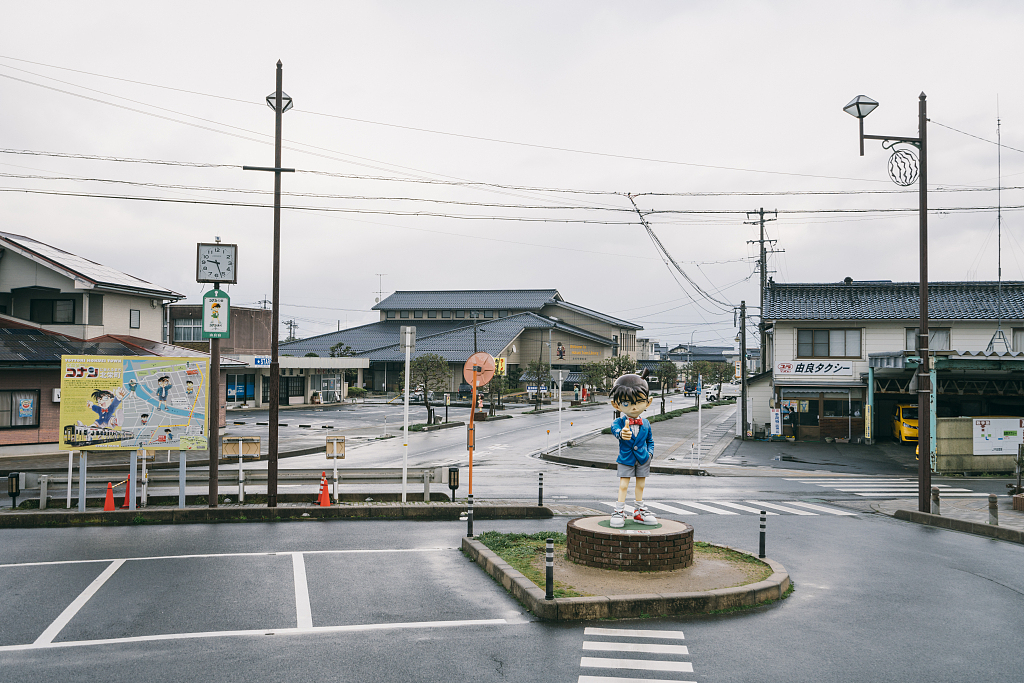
{"x":217,"y":263}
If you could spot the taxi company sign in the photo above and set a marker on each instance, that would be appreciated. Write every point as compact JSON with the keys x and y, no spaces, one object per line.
{"x":994,"y":436}
{"x":815,"y":368}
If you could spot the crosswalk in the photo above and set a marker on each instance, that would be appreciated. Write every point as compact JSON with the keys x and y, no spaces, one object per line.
{"x":749,"y":507}
{"x":878,"y":487}
{"x":638,"y":650}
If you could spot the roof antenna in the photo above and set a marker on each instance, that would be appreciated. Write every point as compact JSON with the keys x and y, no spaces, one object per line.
{"x":999,"y":338}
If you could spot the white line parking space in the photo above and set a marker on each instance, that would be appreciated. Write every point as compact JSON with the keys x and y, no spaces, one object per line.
{"x":247,"y":595}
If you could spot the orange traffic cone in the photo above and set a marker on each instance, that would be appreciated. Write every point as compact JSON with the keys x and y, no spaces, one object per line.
{"x":108,"y":504}
{"x":127,"y":493}
{"x":325,"y":498}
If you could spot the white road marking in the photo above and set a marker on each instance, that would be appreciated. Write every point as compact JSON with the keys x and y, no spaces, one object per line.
{"x":655,"y":648}
{"x":669,"y":508}
{"x":643,"y":664}
{"x":303,"y":613}
{"x":783,"y":508}
{"x":260,"y":632}
{"x":819,"y":508}
{"x":617,"y":679}
{"x":756,"y":511}
{"x":707,"y":508}
{"x":47,"y":636}
{"x":632,"y":633}
{"x":187,"y":557}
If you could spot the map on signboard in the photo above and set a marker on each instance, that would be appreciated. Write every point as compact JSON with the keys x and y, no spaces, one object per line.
{"x":130,"y":402}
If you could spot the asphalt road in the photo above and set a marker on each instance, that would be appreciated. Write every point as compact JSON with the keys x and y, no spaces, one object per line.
{"x":875,"y":599}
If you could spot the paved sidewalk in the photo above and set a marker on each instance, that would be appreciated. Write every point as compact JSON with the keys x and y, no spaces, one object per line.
{"x":966,"y":509}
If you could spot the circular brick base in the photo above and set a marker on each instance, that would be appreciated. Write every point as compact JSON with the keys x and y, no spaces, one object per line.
{"x":662,"y":549}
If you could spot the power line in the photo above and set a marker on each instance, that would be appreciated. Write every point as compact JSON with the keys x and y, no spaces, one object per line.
{"x":423,"y":130}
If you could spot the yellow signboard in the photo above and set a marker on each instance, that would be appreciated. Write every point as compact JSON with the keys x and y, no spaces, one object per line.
{"x":499,"y":366}
{"x":132,"y":402}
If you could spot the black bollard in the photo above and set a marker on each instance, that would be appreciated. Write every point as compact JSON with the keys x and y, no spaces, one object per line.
{"x":540,"y":491}
{"x":549,"y":587}
{"x":763,"y":518}
{"x":469,"y":517}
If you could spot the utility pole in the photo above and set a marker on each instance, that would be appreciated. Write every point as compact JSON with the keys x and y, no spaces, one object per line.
{"x":292,"y":326}
{"x":380,"y":286}
{"x":743,"y":368}
{"x":279,"y":102}
{"x":762,"y":262}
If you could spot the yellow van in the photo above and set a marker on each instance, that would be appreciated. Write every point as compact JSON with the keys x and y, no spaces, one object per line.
{"x":904,"y":423}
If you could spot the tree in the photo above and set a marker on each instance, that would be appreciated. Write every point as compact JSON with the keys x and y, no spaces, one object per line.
{"x":668,"y":374}
{"x":593,"y":373}
{"x":499,"y":384}
{"x":712,"y":372}
{"x":429,"y":371}
{"x":537,"y":371}
{"x":617,"y":366}
{"x":340,"y":350}
{"x":312,"y":355}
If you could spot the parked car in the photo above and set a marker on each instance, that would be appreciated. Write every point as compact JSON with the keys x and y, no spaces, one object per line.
{"x":465,"y":391}
{"x":904,"y":423}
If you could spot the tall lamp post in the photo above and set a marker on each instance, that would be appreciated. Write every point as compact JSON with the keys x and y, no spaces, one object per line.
{"x":904,"y":168}
{"x":280,"y":103}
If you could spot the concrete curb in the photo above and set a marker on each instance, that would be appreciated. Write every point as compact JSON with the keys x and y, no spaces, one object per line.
{"x":990,"y":530}
{"x":655,"y":469}
{"x":443,"y":425}
{"x":29,"y":520}
{"x":625,"y":606}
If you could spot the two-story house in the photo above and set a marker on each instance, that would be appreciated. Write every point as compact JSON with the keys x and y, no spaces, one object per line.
{"x":841,"y":356}
{"x":61,"y":292}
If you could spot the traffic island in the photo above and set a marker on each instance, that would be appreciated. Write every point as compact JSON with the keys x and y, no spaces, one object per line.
{"x":721,"y":579}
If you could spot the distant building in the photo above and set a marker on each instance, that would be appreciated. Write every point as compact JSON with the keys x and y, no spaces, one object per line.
{"x":517,"y":325}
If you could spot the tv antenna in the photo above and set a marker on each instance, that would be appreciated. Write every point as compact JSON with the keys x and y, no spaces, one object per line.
{"x":380,"y":287}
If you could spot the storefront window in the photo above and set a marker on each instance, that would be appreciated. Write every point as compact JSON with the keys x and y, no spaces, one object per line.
{"x":241,"y":388}
{"x":188,"y":330}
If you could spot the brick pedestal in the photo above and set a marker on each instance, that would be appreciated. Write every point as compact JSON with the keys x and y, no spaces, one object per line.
{"x":662,"y":549}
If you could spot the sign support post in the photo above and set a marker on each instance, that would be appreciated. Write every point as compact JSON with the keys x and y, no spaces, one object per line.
{"x":71,"y":459}
{"x":216,"y":324}
{"x":559,"y":413}
{"x":478,"y":369}
{"x":83,"y":466}
{"x":408,"y":334}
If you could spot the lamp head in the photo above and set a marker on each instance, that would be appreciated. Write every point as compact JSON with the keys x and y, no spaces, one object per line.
{"x":860,"y":106}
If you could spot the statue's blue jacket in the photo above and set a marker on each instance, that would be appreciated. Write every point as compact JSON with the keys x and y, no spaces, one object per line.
{"x":637,"y":450}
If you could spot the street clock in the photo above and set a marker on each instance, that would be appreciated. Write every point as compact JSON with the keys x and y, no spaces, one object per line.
{"x":217,"y":263}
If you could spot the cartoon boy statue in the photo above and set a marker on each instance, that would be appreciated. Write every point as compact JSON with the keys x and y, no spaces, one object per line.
{"x":104,"y":403}
{"x":631,"y":395}
{"x":162,"y":390}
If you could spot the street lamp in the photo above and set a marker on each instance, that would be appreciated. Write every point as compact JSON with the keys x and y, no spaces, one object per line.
{"x":904,"y":169}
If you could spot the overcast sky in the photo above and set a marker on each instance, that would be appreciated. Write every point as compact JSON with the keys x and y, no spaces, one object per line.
{"x":668,"y":97}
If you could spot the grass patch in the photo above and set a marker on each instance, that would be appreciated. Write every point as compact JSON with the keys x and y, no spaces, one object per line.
{"x":713,"y":551}
{"x":520,"y":549}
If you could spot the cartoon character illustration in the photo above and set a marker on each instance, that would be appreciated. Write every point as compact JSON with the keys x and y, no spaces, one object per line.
{"x":631,"y":395}
{"x":132,"y":385}
{"x":104,"y":403}
{"x":214,"y":310}
{"x":560,"y":351}
{"x":189,"y":388}
{"x":144,"y":417}
{"x":163,"y":389}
